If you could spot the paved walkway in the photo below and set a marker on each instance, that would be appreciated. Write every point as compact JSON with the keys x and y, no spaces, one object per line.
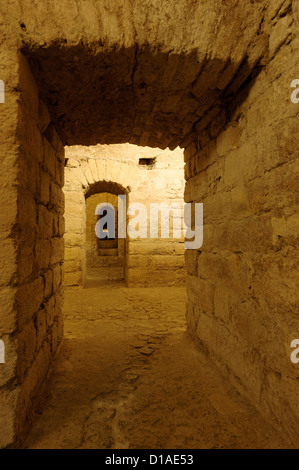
{"x":128,"y":376}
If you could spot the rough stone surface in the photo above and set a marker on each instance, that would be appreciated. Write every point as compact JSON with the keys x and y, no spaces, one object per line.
{"x":105,"y":259}
{"x":243,"y":283}
{"x":173,"y":65}
{"x":33,"y":249}
{"x":211,"y":77}
{"x":140,"y":384}
{"x":115,"y":169}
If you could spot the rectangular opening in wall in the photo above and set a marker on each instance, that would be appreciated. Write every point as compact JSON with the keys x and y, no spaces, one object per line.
{"x":147,"y":162}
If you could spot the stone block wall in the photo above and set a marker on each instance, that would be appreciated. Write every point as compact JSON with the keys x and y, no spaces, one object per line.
{"x":33,"y":249}
{"x":243,"y":282}
{"x":147,"y":261}
{"x":9,"y":391}
{"x":243,"y":301}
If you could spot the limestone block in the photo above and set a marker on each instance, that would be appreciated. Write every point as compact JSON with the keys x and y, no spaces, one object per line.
{"x":9,"y":211}
{"x":26,"y":258}
{"x":50,"y":311}
{"x":279,"y":34}
{"x":241,"y":165}
{"x":196,"y":189}
{"x":286,"y":228}
{"x":73,"y":224}
{"x":190,"y":151}
{"x":29,"y":171}
{"x":57,"y":333}
{"x":54,"y":140}
{"x":228,"y":140}
{"x":59,"y":172}
{"x":30,"y":389}
{"x":281,"y":182}
{"x":191,"y":257}
{"x":88,"y":174}
{"x":73,"y":253}
{"x":201,"y":293}
{"x":59,"y":298}
{"x":8,"y":266}
{"x":57,"y":198}
{"x":8,"y":406}
{"x":74,"y":279}
{"x":218,"y":337}
{"x":45,"y":222}
{"x":27,"y":211}
{"x":222,"y":302}
{"x":49,"y":160}
{"x":41,"y":327}
{"x":43,"y":116}
{"x":73,"y":239}
{"x":48,"y":281}
{"x":42,"y":254}
{"x":57,"y":277}
{"x":26,"y":349}
{"x":167,"y":262}
{"x":72,"y":266}
{"x":94,"y":169}
{"x":72,"y":162}
{"x":29,"y":299}
{"x":29,"y":135}
{"x":240,"y":203}
{"x":44,"y":187}
{"x":74,"y":209}
{"x":74,"y":198}
{"x":29,"y":90}
{"x":61,"y":226}
{"x":8,"y":317}
{"x":57,"y":250}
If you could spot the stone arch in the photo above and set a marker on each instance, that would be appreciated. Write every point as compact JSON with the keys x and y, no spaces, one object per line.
{"x":104,"y":260}
{"x":116,"y":262}
{"x":89,"y":171}
{"x":83,"y":182}
{"x":106,"y":187}
{"x":153,"y":101}
{"x":115,"y":169}
{"x":201,"y":75}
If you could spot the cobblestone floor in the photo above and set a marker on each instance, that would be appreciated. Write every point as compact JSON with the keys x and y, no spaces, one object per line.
{"x":128,"y":376}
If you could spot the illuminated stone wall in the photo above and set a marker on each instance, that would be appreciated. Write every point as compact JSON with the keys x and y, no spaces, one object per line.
{"x":147,"y":176}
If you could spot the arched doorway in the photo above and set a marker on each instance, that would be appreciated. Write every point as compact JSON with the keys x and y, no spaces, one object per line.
{"x":104,"y":255}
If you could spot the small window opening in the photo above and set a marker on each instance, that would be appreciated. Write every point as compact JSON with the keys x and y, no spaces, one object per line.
{"x":147,"y":162}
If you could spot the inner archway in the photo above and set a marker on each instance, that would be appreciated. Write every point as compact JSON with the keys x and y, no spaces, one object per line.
{"x":144,"y":176}
{"x":105,"y":257}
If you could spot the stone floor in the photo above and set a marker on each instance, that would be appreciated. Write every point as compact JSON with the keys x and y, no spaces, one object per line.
{"x":128,"y":376}
{"x":96,"y":276}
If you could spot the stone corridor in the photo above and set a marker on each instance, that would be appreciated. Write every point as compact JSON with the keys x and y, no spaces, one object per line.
{"x":129,"y":377}
{"x":157,"y":102}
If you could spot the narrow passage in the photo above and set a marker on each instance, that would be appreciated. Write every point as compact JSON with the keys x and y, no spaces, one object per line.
{"x":128,"y":376}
